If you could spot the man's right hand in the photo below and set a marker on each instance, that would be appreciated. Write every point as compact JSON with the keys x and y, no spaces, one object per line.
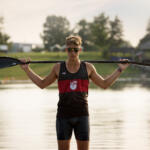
{"x":24,"y":66}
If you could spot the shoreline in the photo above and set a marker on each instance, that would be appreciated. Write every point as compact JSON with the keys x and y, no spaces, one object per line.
{"x":120,"y":84}
{"x":29,"y":81}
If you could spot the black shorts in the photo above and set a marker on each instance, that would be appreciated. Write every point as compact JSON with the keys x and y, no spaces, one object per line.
{"x":65,"y":126}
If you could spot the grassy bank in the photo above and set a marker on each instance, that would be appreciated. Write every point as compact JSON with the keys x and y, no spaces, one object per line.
{"x":16,"y":73}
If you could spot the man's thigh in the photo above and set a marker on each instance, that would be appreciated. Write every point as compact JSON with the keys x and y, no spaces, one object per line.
{"x":63,"y":129}
{"x":82,"y":129}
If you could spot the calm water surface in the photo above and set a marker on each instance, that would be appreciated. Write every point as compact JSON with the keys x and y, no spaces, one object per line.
{"x":120,"y":120}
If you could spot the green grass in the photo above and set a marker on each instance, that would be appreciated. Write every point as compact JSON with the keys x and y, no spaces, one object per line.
{"x":17,"y":73}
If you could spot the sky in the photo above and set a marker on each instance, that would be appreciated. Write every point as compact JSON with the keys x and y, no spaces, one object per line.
{"x":24,"y":19}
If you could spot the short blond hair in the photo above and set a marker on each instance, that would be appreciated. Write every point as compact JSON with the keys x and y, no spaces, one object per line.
{"x":74,"y":39}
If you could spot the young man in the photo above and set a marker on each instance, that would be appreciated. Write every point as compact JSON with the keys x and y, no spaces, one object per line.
{"x":73,"y":78}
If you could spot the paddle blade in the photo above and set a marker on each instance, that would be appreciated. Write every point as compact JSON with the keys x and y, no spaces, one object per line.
{"x":8,"y":62}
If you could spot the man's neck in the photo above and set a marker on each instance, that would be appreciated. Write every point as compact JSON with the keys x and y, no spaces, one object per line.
{"x":73,"y":61}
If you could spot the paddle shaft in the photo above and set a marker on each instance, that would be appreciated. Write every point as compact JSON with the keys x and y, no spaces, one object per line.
{"x":95,"y":61}
{"x":9,"y":61}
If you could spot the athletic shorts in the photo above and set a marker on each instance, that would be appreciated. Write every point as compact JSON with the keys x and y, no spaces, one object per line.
{"x":80,"y":126}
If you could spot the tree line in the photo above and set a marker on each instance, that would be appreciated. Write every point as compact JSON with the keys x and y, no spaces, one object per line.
{"x":100,"y":34}
{"x":4,"y":38}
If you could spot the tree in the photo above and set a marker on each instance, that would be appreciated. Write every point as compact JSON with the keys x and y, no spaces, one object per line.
{"x":100,"y":30}
{"x":146,"y":37}
{"x":116,"y":33}
{"x":56,"y":28}
{"x":83,"y":30}
{"x":4,"y":38}
{"x":1,"y":23}
{"x":148,"y":27}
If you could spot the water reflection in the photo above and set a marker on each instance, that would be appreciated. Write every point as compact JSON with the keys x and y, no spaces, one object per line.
{"x":119,"y":119}
{"x":106,"y":129}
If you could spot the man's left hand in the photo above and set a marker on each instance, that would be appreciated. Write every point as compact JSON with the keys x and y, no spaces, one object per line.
{"x":123,"y":66}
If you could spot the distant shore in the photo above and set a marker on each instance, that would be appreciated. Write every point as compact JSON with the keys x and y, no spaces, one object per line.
{"x":118,"y":85}
{"x":16,"y":73}
{"x":29,"y":81}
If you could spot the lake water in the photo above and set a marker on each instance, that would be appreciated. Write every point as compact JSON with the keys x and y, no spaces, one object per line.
{"x":119,"y":120}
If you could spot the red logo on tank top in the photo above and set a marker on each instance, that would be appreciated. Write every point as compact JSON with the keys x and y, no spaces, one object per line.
{"x":73,"y":85}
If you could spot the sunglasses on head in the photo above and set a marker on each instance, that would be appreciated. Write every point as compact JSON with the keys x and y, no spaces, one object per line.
{"x":73,"y":49}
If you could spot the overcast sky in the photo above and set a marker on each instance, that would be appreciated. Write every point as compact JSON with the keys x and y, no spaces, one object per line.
{"x":23,"y":19}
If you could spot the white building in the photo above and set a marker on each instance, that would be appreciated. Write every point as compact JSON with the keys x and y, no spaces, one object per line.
{"x":3,"y":48}
{"x":21,"y":47}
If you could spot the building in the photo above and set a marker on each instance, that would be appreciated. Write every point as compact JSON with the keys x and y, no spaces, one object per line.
{"x":3,"y":48}
{"x":21,"y":47}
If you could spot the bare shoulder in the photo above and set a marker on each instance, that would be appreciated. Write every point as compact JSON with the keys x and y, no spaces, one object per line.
{"x":56,"y":69}
{"x":90,"y":68}
{"x":57,"y":66}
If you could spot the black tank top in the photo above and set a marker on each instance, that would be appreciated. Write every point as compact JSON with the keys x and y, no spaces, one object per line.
{"x":73,"y":92}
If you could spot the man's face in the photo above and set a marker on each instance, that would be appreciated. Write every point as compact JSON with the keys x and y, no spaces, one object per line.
{"x":73,"y":51}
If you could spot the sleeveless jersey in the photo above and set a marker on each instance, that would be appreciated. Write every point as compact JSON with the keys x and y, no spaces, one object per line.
{"x":73,"y":92}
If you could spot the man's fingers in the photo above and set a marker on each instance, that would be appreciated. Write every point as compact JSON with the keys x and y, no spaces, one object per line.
{"x":127,"y":60}
{"x":22,"y":60}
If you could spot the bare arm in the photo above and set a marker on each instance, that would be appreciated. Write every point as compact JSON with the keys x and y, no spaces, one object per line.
{"x":100,"y":81}
{"x":41,"y":82}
